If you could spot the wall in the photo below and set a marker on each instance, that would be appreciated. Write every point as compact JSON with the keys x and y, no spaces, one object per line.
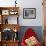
{"x":36,"y":29}
{"x":39,"y":13}
{"x":7,"y":3}
{"x":27,"y":4}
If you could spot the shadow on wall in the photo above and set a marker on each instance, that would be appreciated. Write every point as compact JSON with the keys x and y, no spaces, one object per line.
{"x":37,"y":29}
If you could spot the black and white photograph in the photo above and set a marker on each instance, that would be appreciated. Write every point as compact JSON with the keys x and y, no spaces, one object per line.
{"x":29,"y":13}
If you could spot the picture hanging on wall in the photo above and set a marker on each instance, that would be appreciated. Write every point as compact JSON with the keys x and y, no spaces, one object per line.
{"x":29,"y":13}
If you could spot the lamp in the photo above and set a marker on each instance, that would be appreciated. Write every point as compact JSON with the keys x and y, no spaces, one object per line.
{"x":15,"y":3}
{"x":15,"y":30}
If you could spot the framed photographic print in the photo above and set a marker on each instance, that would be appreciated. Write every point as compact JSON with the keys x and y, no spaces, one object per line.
{"x":29,"y":13}
{"x":5,"y":12}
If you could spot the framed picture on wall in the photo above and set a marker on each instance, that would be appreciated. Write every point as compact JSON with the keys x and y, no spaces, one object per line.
{"x":29,"y":13}
{"x":5,"y":12}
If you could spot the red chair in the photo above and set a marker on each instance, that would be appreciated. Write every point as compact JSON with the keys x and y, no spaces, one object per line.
{"x":29,"y":33}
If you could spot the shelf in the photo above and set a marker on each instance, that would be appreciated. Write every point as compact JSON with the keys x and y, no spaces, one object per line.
{"x":6,"y":12}
{"x":11,"y":41}
{"x":10,"y":26}
{"x":7,"y":16}
{"x":4,"y":8}
{"x":9,"y":10}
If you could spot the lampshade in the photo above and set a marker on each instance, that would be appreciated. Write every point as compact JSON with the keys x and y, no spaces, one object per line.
{"x":15,"y":2}
{"x":15,"y":30}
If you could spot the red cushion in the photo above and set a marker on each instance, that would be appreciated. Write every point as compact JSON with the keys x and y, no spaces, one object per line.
{"x":29,"y":33}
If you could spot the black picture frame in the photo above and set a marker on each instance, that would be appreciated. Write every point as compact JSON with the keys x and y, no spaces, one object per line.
{"x":29,"y":13}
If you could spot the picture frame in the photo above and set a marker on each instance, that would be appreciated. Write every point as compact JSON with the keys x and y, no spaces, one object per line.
{"x":13,"y":12}
{"x":5,"y":12}
{"x":29,"y":13}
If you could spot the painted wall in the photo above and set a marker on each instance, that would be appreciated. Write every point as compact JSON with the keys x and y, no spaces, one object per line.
{"x":39,"y":13}
{"x":27,"y":4}
{"x":37,"y":29}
